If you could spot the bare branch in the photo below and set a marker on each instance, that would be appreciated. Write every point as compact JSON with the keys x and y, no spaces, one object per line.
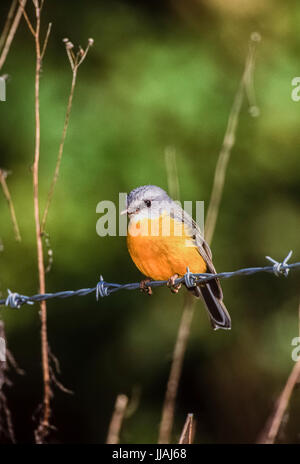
{"x":187,"y":434}
{"x":167,"y":419}
{"x":8,"y":22}
{"x":13,"y":363}
{"x":229,"y":140}
{"x":115,"y":425}
{"x":6,"y":425}
{"x":44,"y":425}
{"x":11,"y":33}
{"x":74,"y":66}
{"x":273,"y":424}
{"x":29,"y":24}
{"x":3,"y":175}
{"x":46,"y":40}
{"x":270,"y":432}
{"x":134,"y":402}
{"x":85,"y":52}
{"x":172,"y":175}
{"x":69,"y":46}
{"x":60,"y":151}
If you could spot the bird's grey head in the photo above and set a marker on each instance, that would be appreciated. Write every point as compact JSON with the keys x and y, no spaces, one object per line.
{"x":147,"y":201}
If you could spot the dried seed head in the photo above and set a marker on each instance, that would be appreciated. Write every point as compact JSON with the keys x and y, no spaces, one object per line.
{"x":69,"y":45}
{"x":255,"y":37}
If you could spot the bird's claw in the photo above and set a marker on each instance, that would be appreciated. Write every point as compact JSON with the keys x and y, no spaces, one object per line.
{"x":171,"y":284}
{"x":146,"y":288}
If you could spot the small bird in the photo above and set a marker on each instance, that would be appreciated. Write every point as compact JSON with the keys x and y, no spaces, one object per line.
{"x":163,"y":240}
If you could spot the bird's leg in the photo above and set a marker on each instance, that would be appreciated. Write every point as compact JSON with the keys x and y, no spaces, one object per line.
{"x":146,"y":288}
{"x":171,"y":284}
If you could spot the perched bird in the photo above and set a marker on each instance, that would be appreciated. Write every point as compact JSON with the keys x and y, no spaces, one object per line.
{"x":163,"y":240}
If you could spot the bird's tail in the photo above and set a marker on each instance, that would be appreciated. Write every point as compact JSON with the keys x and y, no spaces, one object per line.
{"x":212,"y":296}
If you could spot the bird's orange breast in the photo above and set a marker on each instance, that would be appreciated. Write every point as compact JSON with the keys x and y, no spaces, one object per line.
{"x":161,"y":252}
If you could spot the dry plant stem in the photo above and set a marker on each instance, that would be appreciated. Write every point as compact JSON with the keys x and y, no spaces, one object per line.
{"x":6,"y":425}
{"x":7,"y":195}
{"x":60,"y":152}
{"x":167,"y":419}
{"x":134,"y":402}
{"x":11,"y":33}
{"x":172,"y":174}
{"x":270,"y":432}
{"x":75,"y":62}
{"x":8,"y":23}
{"x":9,"y":429}
{"x":186,"y":437}
{"x":113,"y":436}
{"x":46,"y":40}
{"x":30,"y":27}
{"x":228,"y":142}
{"x":43,"y":428}
{"x":2,"y":363}
{"x":273,"y":424}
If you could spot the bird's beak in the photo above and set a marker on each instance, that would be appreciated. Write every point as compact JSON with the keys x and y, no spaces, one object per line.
{"x":125,"y":211}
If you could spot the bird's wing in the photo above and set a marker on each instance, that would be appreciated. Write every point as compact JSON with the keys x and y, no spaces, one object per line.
{"x":193,"y":230}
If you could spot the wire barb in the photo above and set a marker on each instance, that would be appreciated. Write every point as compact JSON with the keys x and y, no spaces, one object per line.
{"x":15,"y":300}
{"x":189,"y":279}
{"x":280,"y":268}
{"x":103,"y":288}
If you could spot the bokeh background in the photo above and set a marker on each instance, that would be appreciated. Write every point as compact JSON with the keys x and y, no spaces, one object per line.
{"x":159,"y":74}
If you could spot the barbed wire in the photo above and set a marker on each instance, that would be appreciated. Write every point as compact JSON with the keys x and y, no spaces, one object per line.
{"x":103,"y":288}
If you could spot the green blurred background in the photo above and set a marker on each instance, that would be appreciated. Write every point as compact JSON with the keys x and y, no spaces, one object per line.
{"x":159,"y":74}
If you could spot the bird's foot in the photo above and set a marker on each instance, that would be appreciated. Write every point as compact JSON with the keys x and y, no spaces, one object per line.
{"x":171,"y":284}
{"x":146,"y":288}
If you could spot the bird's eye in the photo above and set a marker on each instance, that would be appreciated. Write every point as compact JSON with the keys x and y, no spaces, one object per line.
{"x":148,"y":203}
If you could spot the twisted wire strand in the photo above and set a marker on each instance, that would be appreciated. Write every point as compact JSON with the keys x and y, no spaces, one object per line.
{"x":16,"y":300}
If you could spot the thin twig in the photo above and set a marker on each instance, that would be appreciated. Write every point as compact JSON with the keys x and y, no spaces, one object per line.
{"x":56,"y":368}
{"x":11,"y":33}
{"x":134,"y":402}
{"x":271,"y":429}
{"x":229,"y":139}
{"x":49,"y":249}
{"x":13,"y":363}
{"x":274,"y":422}
{"x":46,"y":40}
{"x":8,"y":23}
{"x":172,"y":174}
{"x":30,"y":26}
{"x":187,"y":434}
{"x":60,"y":152}
{"x":43,"y":428}
{"x":113,"y":436}
{"x":167,"y":419}
{"x":6,"y":425}
{"x":3,"y":175}
{"x":75,"y":63}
